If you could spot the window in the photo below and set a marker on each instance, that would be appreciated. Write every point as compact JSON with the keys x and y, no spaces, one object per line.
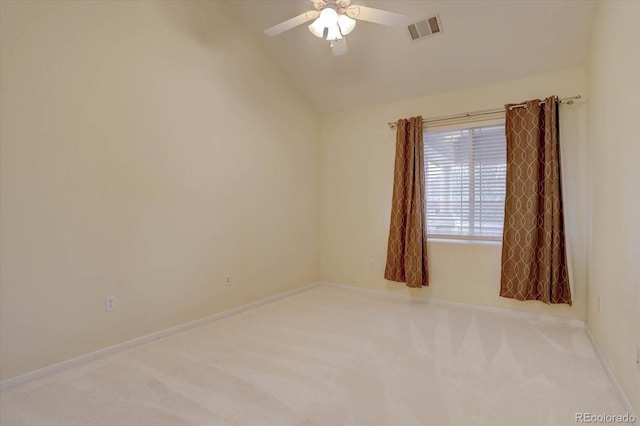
{"x":465,"y":173}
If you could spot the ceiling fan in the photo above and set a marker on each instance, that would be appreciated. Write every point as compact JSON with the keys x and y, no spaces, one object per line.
{"x":334,"y":19}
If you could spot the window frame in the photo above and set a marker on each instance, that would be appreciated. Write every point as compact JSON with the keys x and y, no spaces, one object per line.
{"x":466,"y":123}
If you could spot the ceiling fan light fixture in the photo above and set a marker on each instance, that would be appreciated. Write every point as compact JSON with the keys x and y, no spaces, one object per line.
{"x":334,"y":33}
{"x":317,"y":28}
{"x":346,"y":24}
{"x":328,"y":17}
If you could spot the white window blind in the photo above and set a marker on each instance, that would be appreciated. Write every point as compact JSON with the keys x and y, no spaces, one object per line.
{"x":465,"y":174}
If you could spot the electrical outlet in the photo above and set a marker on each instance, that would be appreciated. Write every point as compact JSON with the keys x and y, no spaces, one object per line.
{"x":372,"y":264}
{"x":599,"y":304}
{"x":638,"y":357}
{"x":228,"y":281}
{"x":110,"y":303}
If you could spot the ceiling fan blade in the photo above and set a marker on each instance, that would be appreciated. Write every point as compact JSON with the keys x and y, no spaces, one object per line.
{"x":378,"y":16}
{"x":339,"y":47}
{"x":292,"y":23}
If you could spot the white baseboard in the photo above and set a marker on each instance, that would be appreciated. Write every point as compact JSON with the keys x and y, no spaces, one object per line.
{"x":521,"y":314}
{"x":101,"y":353}
{"x":612,"y":376}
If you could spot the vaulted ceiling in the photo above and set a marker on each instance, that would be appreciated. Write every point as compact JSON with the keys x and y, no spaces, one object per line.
{"x":482,"y":42}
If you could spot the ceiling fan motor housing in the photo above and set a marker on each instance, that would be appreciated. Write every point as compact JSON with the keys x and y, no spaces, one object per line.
{"x":339,"y":6}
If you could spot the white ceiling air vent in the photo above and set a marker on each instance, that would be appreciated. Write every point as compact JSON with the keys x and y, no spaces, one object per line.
{"x":425,"y":28}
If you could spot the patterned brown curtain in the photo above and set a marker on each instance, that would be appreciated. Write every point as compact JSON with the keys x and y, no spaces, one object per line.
{"x":407,"y":248}
{"x":534,"y":260}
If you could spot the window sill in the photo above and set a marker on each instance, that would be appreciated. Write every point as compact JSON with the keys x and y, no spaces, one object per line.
{"x":463,"y":241}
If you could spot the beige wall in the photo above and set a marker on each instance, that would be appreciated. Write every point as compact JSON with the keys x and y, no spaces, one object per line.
{"x":148,"y":149}
{"x":614,"y":189}
{"x":357,"y":156}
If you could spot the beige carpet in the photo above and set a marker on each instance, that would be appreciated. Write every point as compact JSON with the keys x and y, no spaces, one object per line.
{"x":332,"y":356}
